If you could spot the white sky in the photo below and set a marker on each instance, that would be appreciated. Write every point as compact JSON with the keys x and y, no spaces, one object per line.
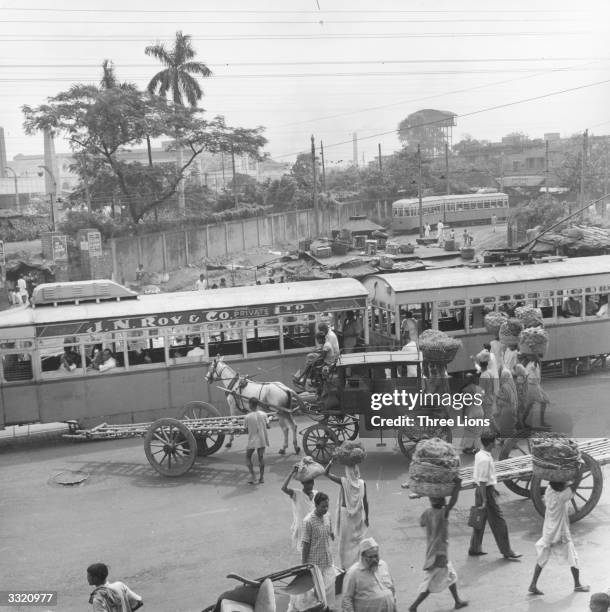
{"x":349,"y":66}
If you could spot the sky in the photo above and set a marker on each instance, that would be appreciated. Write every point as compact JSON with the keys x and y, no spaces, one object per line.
{"x":329,"y":68}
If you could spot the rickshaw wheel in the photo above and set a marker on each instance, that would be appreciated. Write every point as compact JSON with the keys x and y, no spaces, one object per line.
{"x":512,"y":448}
{"x":344,"y":426}
{"x":586,"y":495}
{"x":408,"y":437}
{"x":319,"y":442}
{"x":170,"y":447}
{"x":207,"y":444}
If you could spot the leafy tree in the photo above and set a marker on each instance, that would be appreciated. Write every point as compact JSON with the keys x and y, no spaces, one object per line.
{"x":177,"y":78}
{"x":103,"y":122}
{"x":425,"y":127}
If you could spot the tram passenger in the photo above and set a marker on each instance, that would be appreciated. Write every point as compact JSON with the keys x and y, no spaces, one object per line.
{"x":409,"y":328}
{"x":571,"y":307}
{"x":603,"y":309}
{"x":331,"y":339}
{"x":70,"y":360}
{"x":352,"y":328}
{"x":590,"y":306}
{"x":108,"y":361}
{"x":196,"y":351}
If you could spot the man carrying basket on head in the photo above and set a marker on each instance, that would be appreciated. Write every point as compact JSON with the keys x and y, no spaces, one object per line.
{"x":556,"y":538}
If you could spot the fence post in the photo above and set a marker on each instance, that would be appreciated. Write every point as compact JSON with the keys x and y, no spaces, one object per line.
{"x":164,"y":252}
{"x":207,"y":240}
{"x":226,"y":238}
{"x":115,"y":266}
{"x":243,"y":235}
{"x":272,"y":231}
{"x":186,"y":247}
{"x":258,"y":231}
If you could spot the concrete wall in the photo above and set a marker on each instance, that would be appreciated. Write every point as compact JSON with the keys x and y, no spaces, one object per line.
{"x":167,"y":251}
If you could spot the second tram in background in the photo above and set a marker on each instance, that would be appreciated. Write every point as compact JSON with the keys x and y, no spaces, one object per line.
{"x":470,"y":209}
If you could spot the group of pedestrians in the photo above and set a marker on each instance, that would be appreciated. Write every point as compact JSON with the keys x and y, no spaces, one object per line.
{"x":510,"y":386}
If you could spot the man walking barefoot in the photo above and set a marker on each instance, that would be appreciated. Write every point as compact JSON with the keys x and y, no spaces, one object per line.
{"x":556,"y":538}
{"x":258,"y":439}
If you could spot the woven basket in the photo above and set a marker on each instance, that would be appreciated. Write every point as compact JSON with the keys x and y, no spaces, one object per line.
{"x":555,"y":475}
{"x":441,"y":489}
{"x":438,"y":353}
{"x":525,"y":349}
{"x":428,"y":469}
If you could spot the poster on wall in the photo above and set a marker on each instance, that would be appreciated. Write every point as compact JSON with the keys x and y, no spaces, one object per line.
{"x":60,"y":248}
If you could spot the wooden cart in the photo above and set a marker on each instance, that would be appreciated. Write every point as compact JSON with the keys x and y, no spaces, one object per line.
{"x":172,"y":445}
{"x":514,"y":469}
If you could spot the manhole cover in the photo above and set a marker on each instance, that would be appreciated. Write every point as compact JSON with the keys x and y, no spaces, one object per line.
{"x":70,"y":478}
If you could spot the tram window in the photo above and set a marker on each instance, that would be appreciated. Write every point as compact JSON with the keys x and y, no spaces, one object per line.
{"x":299,"y":331}
{"x":17,"y":366}
{"x":225,"y":338}
{"x":262,"y":337}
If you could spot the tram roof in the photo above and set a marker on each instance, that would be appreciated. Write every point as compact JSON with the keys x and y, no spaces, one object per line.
{"x":229,"y":298}
{"x":471,"y":277}
{"x":450,"y":198}
{"x":374,"y":357}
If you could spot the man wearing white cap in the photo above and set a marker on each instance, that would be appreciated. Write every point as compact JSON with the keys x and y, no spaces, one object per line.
{"x":368,"y":585}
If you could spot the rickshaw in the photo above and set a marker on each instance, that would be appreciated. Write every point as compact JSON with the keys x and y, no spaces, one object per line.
{"x":342,"y":406}
{"x":296,"y":580}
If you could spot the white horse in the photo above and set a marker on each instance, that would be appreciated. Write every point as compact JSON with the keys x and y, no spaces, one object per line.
{"x":273,"y":396}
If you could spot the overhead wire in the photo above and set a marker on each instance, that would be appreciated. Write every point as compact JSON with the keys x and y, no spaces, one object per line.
{"x":462,"y":115}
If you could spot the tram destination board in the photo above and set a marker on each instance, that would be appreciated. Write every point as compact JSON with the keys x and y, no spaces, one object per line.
{"x":194,"y":317}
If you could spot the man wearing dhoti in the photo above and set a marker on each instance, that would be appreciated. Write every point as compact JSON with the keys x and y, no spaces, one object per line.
{"x":352,"y":513}
{"x":302,"y":505}
{"x":368,"y":585}
{"x":556,"y":538}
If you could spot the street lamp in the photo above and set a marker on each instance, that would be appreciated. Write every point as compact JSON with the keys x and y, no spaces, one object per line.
{"x":52,"y":194}
{"x":16,"y":187}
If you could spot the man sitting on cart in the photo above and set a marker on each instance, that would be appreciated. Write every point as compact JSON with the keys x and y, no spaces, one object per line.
{"x":317,"y":364}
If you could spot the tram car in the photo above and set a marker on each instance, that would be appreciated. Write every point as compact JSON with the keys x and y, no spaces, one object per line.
{"x":470,"y":209}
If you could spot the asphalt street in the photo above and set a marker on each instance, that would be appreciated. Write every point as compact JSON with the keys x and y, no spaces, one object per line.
{"x":174,"y":540}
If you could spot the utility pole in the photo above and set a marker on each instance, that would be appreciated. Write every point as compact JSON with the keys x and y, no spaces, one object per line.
{"x":380,"y":166}
{"x":421,"y":207}
{"x":234,"y":176}
{"x":502,"y":172}
{"x":447,"y":177}
{"x":323,"y":167}
{"x":16,"y":188}
{"x":315,"y":187}
{"x":583,"y":161}
{"x":546,"y":169}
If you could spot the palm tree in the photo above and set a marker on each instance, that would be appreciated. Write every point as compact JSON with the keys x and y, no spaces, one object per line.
{"x":177,"y":76}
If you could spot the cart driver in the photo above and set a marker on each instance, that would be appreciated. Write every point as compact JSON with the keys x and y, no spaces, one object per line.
{"x":315,"y":362}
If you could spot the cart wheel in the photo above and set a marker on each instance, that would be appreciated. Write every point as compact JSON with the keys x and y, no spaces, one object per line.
{"x":344,"y":426}
{"x":408,"y":437}
{"x":517,"y":447}
{"x":319,"y":442}
{"x":207,"y":444}
{"x":586,"y":495}
{"x":170,"y":447}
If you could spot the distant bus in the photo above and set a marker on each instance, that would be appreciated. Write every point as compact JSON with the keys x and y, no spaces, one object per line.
{"x":470,"y":209}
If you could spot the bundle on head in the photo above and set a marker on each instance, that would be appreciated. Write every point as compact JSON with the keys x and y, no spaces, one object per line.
{"x":509,"y":333}
{"x":308,"y":469}
{"x":529,"y":316}
{"x":437,"y":346}
{"x":493,"y":321}
{"x":533,"y":341}
{"x":434,"y":466}
{"x":555,"y":458}
{"x":350,"y":453}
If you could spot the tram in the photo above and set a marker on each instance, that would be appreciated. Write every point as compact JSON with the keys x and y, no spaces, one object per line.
{"x":158,"y":344}
{"x":467,"y":209}
{"x":455,"y":300}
